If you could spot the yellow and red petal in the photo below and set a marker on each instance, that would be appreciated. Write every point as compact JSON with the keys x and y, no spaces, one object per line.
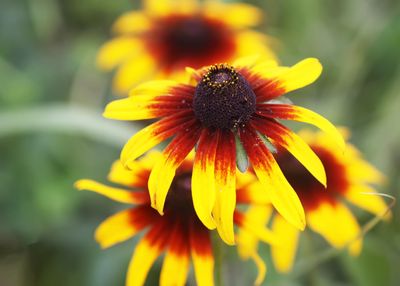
{"x":284,"y":137}
{"x":203,"y":177}
{"x":164,"y":170}
{"x":176,"y":262}
{"x":132,"y":22}
{"x":336,"y":223}
{"x":288,"y":79}
{"x":145,"y":253}
{"x":365,"y":197}
{"x":284,"y":254}
{"x":297,"y":113}
{"x":202,"y":255}
{"x":154,"y":134}
{"x":116,"y":194}
{"x":150,"y":100}
{"x":225,"y":186}
{"x":282,"y":195}
{"x":117,"y":51}
{"x":124,"y":225}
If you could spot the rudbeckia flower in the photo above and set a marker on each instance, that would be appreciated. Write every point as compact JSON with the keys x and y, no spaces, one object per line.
{"x":350,"y":179}
{"x":168,"y":35}
{"x":223,"y":104}
{"x":179,"y":233}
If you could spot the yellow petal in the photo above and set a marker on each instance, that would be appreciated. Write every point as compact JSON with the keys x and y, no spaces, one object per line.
{"x":116,"y":194}
{"x":132,"y":22}
{"x":143,"y":258}
{"x":165,"y":7}
{"x":175,"y":269}
{"x":261,"y":267}
{"x":301,"y":74}
{"x":120,"y":175}
{"x":122,"y":226}
{"x":138,"y":69}
{"x":203,"y":177}
{"x":366,"y":198}
{"x":252,"y":228}
{"x":118,"y":50}
{"x":284,"y":253}
{"x":251,"y":43}
{"x":236,"y":15}
{"x":337,"y":225}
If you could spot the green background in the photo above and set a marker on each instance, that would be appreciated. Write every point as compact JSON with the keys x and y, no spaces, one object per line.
{"x":52,"y":133}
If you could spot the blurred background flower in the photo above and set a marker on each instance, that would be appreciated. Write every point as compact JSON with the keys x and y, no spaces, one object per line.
{"x":52,"y":133}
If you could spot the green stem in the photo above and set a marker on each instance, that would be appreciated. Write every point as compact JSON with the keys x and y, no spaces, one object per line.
{"x":65,"y":119}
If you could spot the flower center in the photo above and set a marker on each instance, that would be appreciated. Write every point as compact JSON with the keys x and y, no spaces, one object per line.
{"x":179,"y":198}
{"x":178,"y":41}
{"x":223,"y":99}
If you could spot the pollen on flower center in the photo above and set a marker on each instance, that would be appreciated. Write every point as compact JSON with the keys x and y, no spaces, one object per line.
{"x":223,"y":99}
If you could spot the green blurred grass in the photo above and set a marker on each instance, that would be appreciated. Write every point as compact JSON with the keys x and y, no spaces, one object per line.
{"x":47,"y":50}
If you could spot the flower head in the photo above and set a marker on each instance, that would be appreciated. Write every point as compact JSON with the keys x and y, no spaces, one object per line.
{"x":221,"y":107}
{"x":349,"y":178}
{"x":169,"y":35}
{"x":179,"y":233}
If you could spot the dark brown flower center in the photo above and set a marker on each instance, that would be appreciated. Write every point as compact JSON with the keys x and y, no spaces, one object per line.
{"x":179,"y":198}
{"x":223,"y":99}
{"x":178,"y":41}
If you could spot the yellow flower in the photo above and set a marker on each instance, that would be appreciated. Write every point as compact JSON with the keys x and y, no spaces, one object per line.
{"x":349,"y":178}
{"x":179,"y":233}
{"x":168,"y":35}
{"x":223,"y":102}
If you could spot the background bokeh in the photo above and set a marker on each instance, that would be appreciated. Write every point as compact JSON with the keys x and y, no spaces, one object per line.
{"x":52,"y":133}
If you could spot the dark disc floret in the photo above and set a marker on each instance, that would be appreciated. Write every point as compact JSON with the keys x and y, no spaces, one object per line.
{"x":223,"y":98}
